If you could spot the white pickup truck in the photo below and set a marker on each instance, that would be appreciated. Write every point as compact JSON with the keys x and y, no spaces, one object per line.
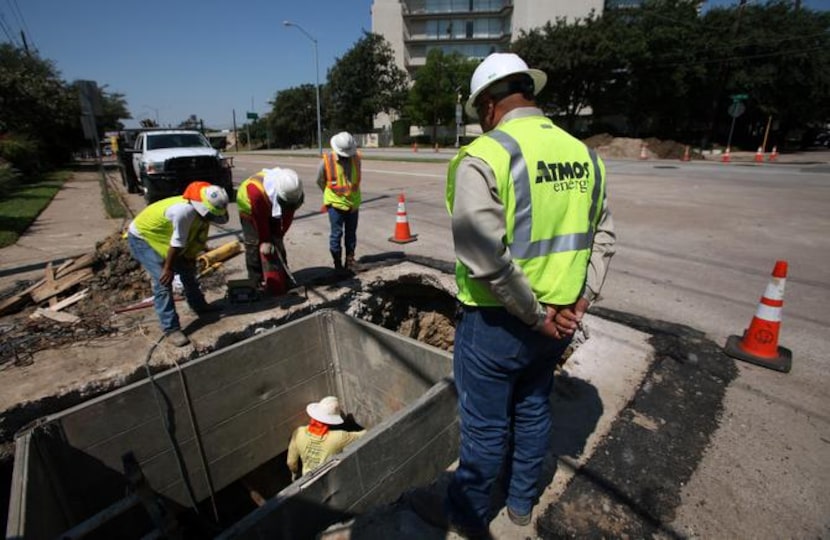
{"x":166,"y":161}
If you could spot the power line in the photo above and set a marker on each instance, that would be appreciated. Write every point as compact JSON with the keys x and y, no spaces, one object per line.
{"x":8,"y":31}
{"x":21,"y":21}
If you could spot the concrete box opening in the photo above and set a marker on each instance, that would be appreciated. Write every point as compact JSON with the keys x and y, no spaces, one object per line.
{"x":224,"y":420}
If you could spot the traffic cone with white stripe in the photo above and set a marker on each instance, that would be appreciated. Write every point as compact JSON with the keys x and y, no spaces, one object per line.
{"x":643,"y":153}
{"x":759,"y":344}
{"x":759,"y":155}
{"x":774,"y":155}
{"x":686,"y":155}
{"x":402,"y":234}
{"x":726,"y":157}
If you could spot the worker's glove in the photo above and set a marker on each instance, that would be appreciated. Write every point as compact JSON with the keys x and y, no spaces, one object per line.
{"x":266,"y":249}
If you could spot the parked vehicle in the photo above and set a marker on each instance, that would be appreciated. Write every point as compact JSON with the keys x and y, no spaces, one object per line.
{"x":164,"y":162}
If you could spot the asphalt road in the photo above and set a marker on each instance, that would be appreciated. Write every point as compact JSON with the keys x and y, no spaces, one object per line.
{"x":696,"y":245}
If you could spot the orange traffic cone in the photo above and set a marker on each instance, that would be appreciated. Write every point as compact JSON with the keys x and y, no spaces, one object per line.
{"x":726,"y":157}
{"x":759,"y":344}
{"x":686,"y":156}
{"x":436,"y":147}
{"x":414,"y":147}
{"x":402,"y":234}
{"x":759,"y":155}
{"x":774,"y":154}
{"x":643,"y":154}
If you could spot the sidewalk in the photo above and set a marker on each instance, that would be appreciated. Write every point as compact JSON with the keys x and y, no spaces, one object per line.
{"x":71,"y":225}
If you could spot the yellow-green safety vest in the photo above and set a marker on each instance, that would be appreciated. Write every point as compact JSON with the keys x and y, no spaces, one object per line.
{"x":243,"y":204}
{"x":157,"y":230}
{"x":340,"y":192}
{"x":552,"y":188}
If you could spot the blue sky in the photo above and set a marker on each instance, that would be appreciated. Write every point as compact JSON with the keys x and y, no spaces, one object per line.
{"x":183,"y":57}
{"x":204,"y":57}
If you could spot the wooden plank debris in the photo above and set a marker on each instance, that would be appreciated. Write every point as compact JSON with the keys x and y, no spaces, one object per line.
{"x":48,"y":290}
{"x":55,"y":315}
{"x":66,"y":302}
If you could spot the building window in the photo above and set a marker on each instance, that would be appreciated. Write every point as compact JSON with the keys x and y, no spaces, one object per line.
{"x":469,"y":29}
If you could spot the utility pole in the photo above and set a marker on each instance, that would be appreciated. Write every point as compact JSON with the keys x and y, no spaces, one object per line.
{"x":235,"y":135}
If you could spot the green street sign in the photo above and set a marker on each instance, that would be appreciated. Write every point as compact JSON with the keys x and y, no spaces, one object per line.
{"x":252,"y":116}
{"x":739,"y":97}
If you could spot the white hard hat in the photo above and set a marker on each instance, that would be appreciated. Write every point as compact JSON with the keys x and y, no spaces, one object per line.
{"x":327,"y":411}
{"x":283,"y":185}
{"x":343,"y":144}
{"x":496,"y":67}
{"x":212,"y":203}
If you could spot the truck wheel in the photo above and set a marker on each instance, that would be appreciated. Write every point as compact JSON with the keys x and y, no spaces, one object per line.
{"x":150,"y":195}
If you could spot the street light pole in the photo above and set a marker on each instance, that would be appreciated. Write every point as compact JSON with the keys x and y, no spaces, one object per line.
{"x":317,"y":81}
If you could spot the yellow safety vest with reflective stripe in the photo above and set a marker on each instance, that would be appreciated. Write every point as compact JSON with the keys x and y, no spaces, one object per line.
{"x":243,"y":204}
{"x":157,"y":230}
{"x":340,"y":192}
{"x":552,"y":187}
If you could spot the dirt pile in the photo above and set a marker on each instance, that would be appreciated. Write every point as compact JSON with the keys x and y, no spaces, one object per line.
{"x":608,"y":146}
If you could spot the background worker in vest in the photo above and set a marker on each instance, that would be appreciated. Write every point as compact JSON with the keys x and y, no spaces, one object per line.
{"x":339,"y":178}
{"x":533,"y":239}
{"x":166,"y":237}
{"x":267,"y":202}
{"x":313,"y":444}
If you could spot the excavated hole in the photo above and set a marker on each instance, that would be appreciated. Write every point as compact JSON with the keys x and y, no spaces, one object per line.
{"x":416,"y":310}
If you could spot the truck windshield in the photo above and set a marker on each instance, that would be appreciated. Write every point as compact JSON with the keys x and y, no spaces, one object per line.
{"x":176,"y":140}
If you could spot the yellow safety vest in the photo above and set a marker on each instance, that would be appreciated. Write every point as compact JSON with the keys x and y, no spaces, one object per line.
{"x":340,"y":192}
{"x":243,"y":204}
{"x":552,"y":188}
{"x":157,"y":230}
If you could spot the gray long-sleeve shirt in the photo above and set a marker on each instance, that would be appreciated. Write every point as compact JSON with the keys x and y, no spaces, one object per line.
{"x":478,"y":226}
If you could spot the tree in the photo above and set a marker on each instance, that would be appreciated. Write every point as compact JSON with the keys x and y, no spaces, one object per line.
{"x":363,"y":83}
{"x":438,"y":84}
{"x":293,"y":117}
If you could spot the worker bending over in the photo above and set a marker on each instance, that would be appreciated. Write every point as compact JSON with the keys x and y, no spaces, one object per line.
{"x":267,"y":202}
{"x":315,"y":443}
{"x":166,"y":237}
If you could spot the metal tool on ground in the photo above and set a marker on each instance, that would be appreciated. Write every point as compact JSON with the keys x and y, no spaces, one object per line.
{"x":759,"y":344}
{"x":242,"y":291}
{"x":402,"y":233}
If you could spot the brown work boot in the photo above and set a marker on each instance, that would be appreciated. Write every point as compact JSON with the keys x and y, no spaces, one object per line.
{"x":177,"y":338}
{"x":350,"y":262}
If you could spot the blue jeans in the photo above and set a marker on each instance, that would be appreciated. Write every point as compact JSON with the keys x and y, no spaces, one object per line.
{"x":503,"y":374}
{"x":340,"y":219}
{"x":163,"y":296}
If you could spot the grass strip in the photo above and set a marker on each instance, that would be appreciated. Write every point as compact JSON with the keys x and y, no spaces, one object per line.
{"x":25,"y":202}
{"x":113,"y":205}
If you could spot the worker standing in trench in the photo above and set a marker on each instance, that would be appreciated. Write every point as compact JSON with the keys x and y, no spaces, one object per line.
{"x":533,"y":240}
{"x":166,"y":237}
{"x":313,"y":444}
{"x":267,"y":202}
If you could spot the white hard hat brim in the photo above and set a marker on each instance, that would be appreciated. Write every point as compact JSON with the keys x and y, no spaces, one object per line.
{"x":539,"y":77}
{"x":315,"y":411}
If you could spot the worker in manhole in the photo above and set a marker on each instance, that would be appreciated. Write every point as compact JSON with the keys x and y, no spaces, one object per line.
{"x":533,"y":238}
{"x":338,"y":176}
{"x":165,"y":238}
{"x":313,"y":444}
{"x":267,"y":202}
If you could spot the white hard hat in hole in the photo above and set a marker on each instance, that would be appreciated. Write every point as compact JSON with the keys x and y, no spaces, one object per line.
{"x":327,"y":411}
{"x":283,"y":186}
{"x":212,"y":203}
{"x":343,"y":144}
{"x":496,"y":67}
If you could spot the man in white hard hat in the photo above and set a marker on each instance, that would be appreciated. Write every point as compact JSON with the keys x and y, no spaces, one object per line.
{"x":267,"y":202}
{"x":533,"y":238}
{"x":313,"y":444}
{"x":339,"y":178}
{"x":166,"y":238}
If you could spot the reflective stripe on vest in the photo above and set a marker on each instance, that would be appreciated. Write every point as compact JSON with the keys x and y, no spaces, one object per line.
{"x":340,"y":192}
{"x":243,"y":204}
{"x":157,"y":230}
{"x":555,"y":260}
{"x":522,"y":246}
